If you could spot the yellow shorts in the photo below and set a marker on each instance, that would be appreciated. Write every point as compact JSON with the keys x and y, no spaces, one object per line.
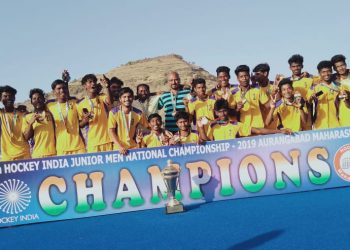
{"x":43,"y":155}
{"x":100,"y":148}
{"x":15,"y":158}
{"x":72,"y":152}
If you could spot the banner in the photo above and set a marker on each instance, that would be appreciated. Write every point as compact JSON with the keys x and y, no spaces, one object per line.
{"x":85,"y":185}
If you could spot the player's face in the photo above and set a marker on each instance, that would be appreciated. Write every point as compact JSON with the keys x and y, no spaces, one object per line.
{"x":155,"y":123}
{"x":222,"y":114}
{"x":91,"y":87}
{"x":8,"y":99}
{"x":142,"y":92}
{"x":174,"y":81}
{"x":326,"y":74}
{"x":126,"y":99}
{"x":115,"y":88}
{"x":243,"y":79}
{"x":296,"y":68}
{"x":286,"y":91}
{"x":340,"y":67}
{"x":183,"y":124}
{"x":223,"y":78}
{"x":38,"y":101}
{"x":61,"y":91}
{"x":200,"y":89}
{"x":260,"y":76}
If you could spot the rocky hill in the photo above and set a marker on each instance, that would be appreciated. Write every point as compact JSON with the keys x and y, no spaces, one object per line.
{"x":152,"y":71}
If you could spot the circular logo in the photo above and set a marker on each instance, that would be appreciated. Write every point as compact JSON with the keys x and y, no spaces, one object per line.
{"x":342,"y":162}
{"x":15,"y":196}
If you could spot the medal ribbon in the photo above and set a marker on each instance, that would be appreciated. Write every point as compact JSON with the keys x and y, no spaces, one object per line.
{"x":335,"y":88}
{"x":92,"y":106}
{"x":62,"y":117}
{"x":127,"y":125}
{"x":14,"y":120}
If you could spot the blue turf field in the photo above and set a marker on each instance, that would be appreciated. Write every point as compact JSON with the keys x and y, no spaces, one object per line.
{"x":308,"y":220}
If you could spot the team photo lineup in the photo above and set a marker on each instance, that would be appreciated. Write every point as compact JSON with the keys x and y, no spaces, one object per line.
{"x":111,"y":116}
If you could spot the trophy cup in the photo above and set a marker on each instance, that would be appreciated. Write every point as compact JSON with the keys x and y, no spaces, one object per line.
{"x":170,"y":176}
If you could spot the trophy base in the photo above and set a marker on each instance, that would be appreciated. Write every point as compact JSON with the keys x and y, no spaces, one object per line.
{"x":174,"y":209}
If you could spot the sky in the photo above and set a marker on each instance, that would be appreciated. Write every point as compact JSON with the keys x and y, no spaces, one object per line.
{"x":40,"y":38}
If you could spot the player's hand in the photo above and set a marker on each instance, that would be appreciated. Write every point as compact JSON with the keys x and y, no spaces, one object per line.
{"x":123,"y":151}
{"x":273,"y":103}
{"x":297,"y":105}
{"x":200,"y":141}
{"x":105,"y":81}
{"x":305,"y":74}
{"x":87,"y":116}
{"x":240,"y":105}
{"x":314,"y":97}
{"x":175,"y":140}
{"x":139,"y":136}
{"x":286,"y":131}
{"x":185,"y":101}
{"x":168,"y":133}
{"x":35,"y":118}
{"x":278,"y":78}
{"x":343,"y":95}
{"x":164,"y":139}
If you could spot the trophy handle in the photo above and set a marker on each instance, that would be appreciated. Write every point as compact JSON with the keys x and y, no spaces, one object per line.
{"x":178,"y":183}
{"x":167,"y":187}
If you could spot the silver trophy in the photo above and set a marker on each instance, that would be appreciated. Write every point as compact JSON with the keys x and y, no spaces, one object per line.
{"x":170,"y":176}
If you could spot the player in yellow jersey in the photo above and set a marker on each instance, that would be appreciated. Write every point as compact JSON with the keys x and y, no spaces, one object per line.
{"x":343,"y":105}
{"x":157,"y":137}
{"x":93,"y":115}
{"x":224,"y":129}
{"x":324,"y":95}
{"x":64,"y":110}
{"x":248,"y":99}
{"x":260,"y":79}
{"x":342,"y":72}
{"x":201,"y":107}
{"x":290,"y":112}
{"x":123,"y":122}
{"x":115,"y":85}
{"x":343,"y":76}
{"x":223,"y":89}
{"x":302,"y":82}
{"x":13,"y":144}
{"x":39,"y":126}
{"x":185,"y":134}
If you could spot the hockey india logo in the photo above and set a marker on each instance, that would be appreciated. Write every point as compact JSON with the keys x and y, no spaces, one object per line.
{"x":15,"y":196}
{"x":342,"y":162}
